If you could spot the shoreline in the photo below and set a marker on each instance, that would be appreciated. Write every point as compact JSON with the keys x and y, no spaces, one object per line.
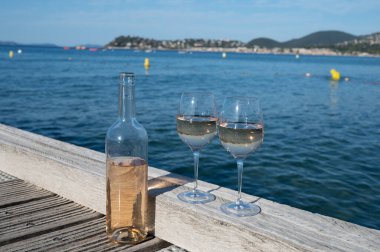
{"x":242,"y":50}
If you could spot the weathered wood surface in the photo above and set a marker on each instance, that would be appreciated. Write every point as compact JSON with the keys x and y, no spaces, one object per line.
{"x":5,"y":177}
{"x":78,"y":174}
{"x":38,"y":220}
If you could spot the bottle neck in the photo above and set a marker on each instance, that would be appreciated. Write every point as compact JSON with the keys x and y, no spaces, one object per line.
{"x":126,"y":97}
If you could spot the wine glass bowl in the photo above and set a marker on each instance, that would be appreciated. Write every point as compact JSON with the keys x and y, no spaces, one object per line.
{"x":240,"y":139}
{"x":196,"y":126}
{"x":241,"y":132}
{"x":196,"y":131}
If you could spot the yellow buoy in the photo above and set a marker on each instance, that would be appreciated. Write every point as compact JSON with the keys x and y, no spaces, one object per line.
{"x":335,"y":75}
{"x":146,"y":63}
{"x":11,"y":54}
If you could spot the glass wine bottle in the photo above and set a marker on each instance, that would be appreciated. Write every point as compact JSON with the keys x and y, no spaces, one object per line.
{"x":127,"y":170}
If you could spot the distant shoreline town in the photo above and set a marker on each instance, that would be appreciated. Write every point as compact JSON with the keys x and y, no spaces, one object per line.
{"x":334,"y":43}
{"x":285,"y":51}
{"x":319,"y":43}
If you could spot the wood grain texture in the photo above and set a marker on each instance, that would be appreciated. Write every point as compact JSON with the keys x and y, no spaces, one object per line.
{"x":32,"y":214}
{"x":15,"y":191}
{"x":54,"y":223}
{"x":277,"y":228}
{"x":70,"y":171}
{"x":5,"y":177}
{"x":78,"y":174}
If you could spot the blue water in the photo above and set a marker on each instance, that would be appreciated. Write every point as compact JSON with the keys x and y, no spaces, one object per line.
{"x":322,"y":139}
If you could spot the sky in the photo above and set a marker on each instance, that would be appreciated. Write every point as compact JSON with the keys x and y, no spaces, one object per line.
{"x":72,"y":22}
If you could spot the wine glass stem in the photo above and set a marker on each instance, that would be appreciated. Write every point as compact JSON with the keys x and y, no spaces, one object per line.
{"x":196,"y":163}
{"x":240,"y":179}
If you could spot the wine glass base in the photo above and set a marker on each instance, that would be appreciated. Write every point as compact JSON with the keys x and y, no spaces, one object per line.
{"x":198,"y":197}
{"x":240,"y":210}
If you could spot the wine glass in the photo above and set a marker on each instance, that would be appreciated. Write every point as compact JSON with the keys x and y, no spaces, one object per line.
{"x":241,"y":131}
{"x":196,"y":126}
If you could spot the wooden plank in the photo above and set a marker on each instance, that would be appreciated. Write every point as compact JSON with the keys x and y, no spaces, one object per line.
{"x":5,"y":177}
{"x":277,"y":228}
{"x":172,"y":248}
{"x":37,"y":211}
{"x":86,"y":236}
{"x":148,"y":246}
{"x":9,"y":187}
{"x":40,"y":224}
{"x":59,"y":238}
{"x":96,"y":242}
{"x":33,"y":206}
{"x":69,"y":170}
{"x":55,"y":224}
{"x":16,"y":191}
{"x":43,"y":216}
{"x":53,"y":167}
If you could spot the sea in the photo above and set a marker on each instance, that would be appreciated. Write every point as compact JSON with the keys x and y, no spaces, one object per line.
{"x":321,"y":149}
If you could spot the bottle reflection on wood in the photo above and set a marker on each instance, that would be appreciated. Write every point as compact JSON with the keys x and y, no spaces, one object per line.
{"x":127,"y":171}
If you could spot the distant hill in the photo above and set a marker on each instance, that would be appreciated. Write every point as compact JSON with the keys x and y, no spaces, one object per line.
{"x":11,"y":43}
{"x":264,"y":42}
{"x":316,"y":39}
{"x":7,"y":43}
{"x":40,"y":45}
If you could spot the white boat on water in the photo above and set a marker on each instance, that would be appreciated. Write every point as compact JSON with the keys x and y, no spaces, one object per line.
{"x":184,"y":52}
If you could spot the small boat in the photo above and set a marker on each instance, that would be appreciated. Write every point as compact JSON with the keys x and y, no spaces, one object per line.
{"x":80,"y":47}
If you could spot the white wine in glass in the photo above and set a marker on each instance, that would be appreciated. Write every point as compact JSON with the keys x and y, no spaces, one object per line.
{"x":241,"y":132}
{"x":196,"y":126}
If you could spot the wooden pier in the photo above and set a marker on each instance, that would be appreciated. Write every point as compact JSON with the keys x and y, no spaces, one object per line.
{"x":32,"y":218}
{"x":56,"y":201}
